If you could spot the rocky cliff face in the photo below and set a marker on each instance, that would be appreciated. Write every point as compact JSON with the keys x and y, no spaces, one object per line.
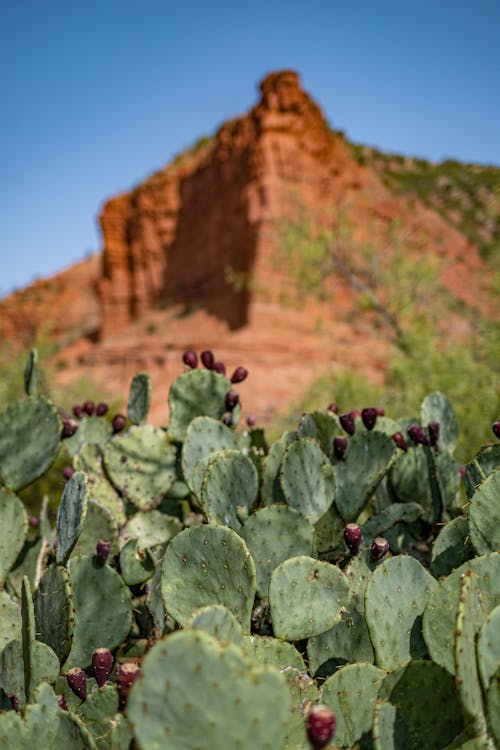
{"x":191,"y":257}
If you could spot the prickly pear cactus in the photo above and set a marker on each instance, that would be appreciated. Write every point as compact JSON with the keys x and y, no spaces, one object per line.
{"x":13,"y":525}
{"x":194,"y":394}
{"x":306,"y":478}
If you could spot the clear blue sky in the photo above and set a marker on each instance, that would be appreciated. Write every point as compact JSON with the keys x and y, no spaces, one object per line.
{"x":96,"y":94}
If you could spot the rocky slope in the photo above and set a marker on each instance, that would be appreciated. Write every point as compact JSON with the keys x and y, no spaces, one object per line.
{"x":196,"y":256}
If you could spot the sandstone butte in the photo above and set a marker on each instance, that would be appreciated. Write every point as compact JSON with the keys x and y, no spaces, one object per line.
{"x":191,"y":259}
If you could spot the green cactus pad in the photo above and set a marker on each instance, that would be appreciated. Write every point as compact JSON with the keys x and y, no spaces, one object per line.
{"x":272,"y":535}
{"x":367,"y":460}
{"x":71,"y":515}
{"x":91,"y":430}
{"x":351,"y":694}
{"x":195,"y":393}
{"x":218,"y":622}
{"x":348,"y":640}
{"x":150,"y":528}
{"x":427,"y":706}
{"x":136,"y":565}
{"x":303,"y":693}
{"x":45,"y":717}
{"x":54,"y":611}
{"x":31,"y":374}
{"x":271,"y":486}
{"x":378,"y":524}
{"x":321,"y":425}
{"x":358,"y":572}
{"x":139,"y":399}
{"x":30,"y":432}
{"x":329,"y":531}
{"x":203,"y":437}
{"x":389,"y":729}
{"x":481,"y":466}
{"x":484,"y":515}
{"x":98,"y":714}
{"x":230,"y":482}
{"x":99,"y":523}
{"x":306,"y":478}
{"x":208,"y":565}
{"x":440,"y":614}
{"x":493,"y":704}
{"x":14,"y":526}
{"x":141,"y":465}
{"x":436,"y":407}
{"x":103,"y":492}
{"x":44,"y":666}
{"x":466,"y":672}
{"x":121,"y":736}
{"x":488,"y":647}
{"x":197,"y":694}
{"x":273,"y":652}
{"x":103,"y":609}
{"x":452,"y":547}
{"x":306,"y":597}
{"x":410,"y":480}
{"x":395,"y":598}
{"x":10,"y":619}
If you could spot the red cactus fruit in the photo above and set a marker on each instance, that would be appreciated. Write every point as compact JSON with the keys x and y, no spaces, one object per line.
{"x":101,"y":409}
{"x":61,"y":702}
{"x":380,"y":547}
{"x":219,"y":367}
{"x":33,"y":522}
{"x":417,"y":435}
{"x":239,"y":374}
{"x":251,"y":420}
{"x":14,"y":700}
{"x":400,"y":441}
{"x":352,"y":537}
{"x":68,"y":472}
{"x":496,"y":428}
{"x":369,"y":417}
{"x":125,"y":677}
{"x":78,"y":411}
{"x":102,"y":550}
{"x":69,"y":428}
{"x":340,"y":447}
{"x":102,"y":663}
{"x":463,"y":470}
{"x":89,"y":407}
{"x":320,"y":726}
{"x":380,"y":411}
{"x":433,"y":428}
{"x":208,"y":359}
{"x":77,"y":680}
{"x":227,"y":419}
{"x":118,"y":422}
{"x":347,"y":422}
{"x":190,"y":359}
{"x":232,"y":398}
{"x":333,"y":408}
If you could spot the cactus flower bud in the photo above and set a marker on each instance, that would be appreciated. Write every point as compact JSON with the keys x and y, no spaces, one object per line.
{"x":126,"y":676}
{"x":320,"y":726}
{"x":14,"y":700}
{"x":33,"y":522}
{"x":190,"y":359}
{"x":369,"y":417}
{"x":340,"y":447}
{"x":102,"y":662}
{"x":219,"y":367}
{"x":101,"y":409}
{"x":496,"y":428}
{"x":352,"y":537}
{"x":333,"y":408}
{"x":77,"y":680}
{"x":417,"y":435}
{"x":380,"y":547}
{"x":400,"y":441}
{"x":347,"y":422}
{"x":232,"y":398}
{"x":118,"y":422}
{"x":433,"y":429}
{"x":208,"y":359}
{"x":61,"y":702}
{"x":89,"y":407}
{"x":239,"y":374}
{"x":78,"y":411}
{"x":68,"y":472}
{"x":102,"y":550}
{"x":227,"y":419}
{"x":251,"y":420}
{"x":69,"y":428}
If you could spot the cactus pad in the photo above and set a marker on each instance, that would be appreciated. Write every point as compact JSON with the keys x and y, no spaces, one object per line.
{"x":141,"y":465}
{"x":484,"y":515}
{"x":29,"y":440}
{"x":395,"y":598}
{"x":367,"y":460}
{"x":218,"y":622}
{"x":136,"y":565}
{"x":436,"y":407}
{"x":274,"y":534}
{"x":45,"y":666}
{"x":481,"y":466}
{"x":54,"y":611}
{"x":193,"y":394}
{"x":208,"y":565}
{"x":488,"y":647}
{"x":348,"y":640}
{"x":378,"y":524}
{"x":150,"y":528}
{"x":306,"y":478}
{"x":273,"y":652}
{"x":204,"y":436}
{"x":10,"y":619}
{"x":452,"y":547}
{"x":271,"y":486}
{"x":91,"y":430}
{"x":14,"y":525}
{"x":306,"y":597}
{"x":351,"y":693}
{"x":71,"y":515}
{"x":139,"y":399}
{"x":99,"y":523}
{"x":230,"y":482}
{"x":197,"y":694}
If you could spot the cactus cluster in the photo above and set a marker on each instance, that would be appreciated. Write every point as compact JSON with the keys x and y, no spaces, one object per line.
{"x":203,"y":589}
